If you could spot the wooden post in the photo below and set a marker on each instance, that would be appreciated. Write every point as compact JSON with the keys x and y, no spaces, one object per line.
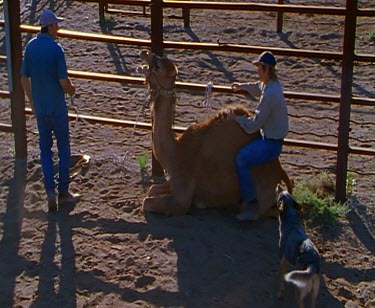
{"x":14,"y":61}
{"x":346,"y":98}
{"x":280,"y":16}
{"x":156,"y":48}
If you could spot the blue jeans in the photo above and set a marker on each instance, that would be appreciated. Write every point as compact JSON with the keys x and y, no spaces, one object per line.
{"x":255,"y":153}
{"x":59,"y":125}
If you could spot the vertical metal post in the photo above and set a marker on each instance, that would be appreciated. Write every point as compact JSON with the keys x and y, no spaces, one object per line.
{"x":186,"y":16}
{"x":14,"y":59}
{"x":346,"y":98}
{"x":102,"y":9}
{"x":280,"y":16}
{"x":157,"y":27}
{"x":156,"y":48}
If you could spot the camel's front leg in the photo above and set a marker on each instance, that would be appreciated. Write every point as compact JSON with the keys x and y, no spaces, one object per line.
{"x":159,"y":189}
{"x":176,"y":203}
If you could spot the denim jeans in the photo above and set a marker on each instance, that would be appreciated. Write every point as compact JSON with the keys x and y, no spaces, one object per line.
{"x":59,"y":126}
{"x":255,"y":153}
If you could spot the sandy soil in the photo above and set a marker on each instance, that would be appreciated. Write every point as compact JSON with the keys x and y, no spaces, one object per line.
{"x":105,"y":252}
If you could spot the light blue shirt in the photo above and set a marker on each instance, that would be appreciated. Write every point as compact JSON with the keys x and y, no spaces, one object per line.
{"x":44,"y":63}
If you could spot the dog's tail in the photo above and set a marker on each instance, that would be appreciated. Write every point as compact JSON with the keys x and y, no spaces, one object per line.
{"x":301,"y":278}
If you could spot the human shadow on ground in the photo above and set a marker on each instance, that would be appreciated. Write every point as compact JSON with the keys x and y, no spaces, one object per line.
{"x":59,"y":224}
{"x":93,"y":282}
{"x":10,"y":262}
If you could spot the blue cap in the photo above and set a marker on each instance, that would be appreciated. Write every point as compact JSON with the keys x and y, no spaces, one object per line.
{"x":48,"y":18}
{"x":266,"y":58}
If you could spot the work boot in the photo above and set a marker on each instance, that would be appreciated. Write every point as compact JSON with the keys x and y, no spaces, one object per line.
{"x":69,"y":198}
{"x":249,"y":212}
{"x":52,"y":205}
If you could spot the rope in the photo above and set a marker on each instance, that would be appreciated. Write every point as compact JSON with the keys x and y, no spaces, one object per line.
{"x":77,"y":116}
{"x":207,"y":103}
{"x":141,"y":111}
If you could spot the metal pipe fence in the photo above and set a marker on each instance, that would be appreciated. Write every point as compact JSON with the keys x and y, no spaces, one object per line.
{"x":157,"y":44}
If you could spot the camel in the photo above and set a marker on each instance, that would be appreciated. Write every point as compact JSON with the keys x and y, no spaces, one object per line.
{"x":200,"y":162}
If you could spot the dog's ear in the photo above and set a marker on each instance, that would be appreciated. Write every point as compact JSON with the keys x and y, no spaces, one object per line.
{"x":280,"y":202}
{"x":279,"y":194}
{"x":279,"y":189}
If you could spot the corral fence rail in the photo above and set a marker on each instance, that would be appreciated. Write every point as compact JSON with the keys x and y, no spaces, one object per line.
{"x":350,"y":12}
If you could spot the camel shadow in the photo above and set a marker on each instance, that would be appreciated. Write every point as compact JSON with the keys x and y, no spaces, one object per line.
{"x":221,"y":263}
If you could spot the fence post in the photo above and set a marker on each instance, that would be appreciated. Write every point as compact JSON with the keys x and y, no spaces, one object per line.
{"x":157,"y":27}
{"x":102,"y":9}
{"x":280,"y":16}
{"x":14,"y":61}
{"x":346,"y":98}
{"x":156,"y":48}
{"x":186,"y":16}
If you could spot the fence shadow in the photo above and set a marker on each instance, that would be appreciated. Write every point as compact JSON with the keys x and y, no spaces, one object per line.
{"x":356,"y":219}
{"x":10,"y":261}
{"x":214,"y":59}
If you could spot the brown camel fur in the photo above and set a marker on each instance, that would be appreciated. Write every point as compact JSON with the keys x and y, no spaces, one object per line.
{"x":200,"y":162}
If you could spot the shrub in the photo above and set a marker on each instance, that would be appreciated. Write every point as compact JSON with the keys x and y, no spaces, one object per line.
{"x":316,"y":197}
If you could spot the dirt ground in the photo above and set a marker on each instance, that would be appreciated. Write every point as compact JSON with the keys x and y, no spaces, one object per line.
{"x":105,"y":252}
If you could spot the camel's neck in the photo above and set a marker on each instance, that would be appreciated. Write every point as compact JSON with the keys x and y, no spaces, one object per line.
{"x":163,"y":136}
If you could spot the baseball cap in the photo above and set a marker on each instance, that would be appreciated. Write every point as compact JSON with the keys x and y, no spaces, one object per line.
{"x":266,"y":58}
{"x":48,"y":18}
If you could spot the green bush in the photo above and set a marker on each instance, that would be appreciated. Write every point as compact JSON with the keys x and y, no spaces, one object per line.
{"x":142,"y":160}
{"x":316,"y":197}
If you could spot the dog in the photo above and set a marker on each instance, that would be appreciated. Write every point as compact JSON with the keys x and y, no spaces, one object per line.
{"x":296,"y":248}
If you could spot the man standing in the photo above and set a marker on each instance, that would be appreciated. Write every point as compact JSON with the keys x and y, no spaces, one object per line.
{"x":45,"y":81}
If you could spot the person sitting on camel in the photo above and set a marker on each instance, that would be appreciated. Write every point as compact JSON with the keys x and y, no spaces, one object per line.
{"x":271,"y":117}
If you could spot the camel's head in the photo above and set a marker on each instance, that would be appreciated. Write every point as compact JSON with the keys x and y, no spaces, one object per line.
{"x":160,"y":72}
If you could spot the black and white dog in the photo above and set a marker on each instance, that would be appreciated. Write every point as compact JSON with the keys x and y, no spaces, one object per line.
{"x":297,"y":249}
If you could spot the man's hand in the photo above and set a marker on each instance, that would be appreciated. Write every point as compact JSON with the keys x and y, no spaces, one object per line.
{"x":68,"y":87}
